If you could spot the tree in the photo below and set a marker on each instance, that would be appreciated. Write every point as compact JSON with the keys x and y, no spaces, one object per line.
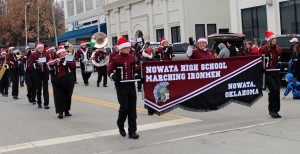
{"x":12,"y":29}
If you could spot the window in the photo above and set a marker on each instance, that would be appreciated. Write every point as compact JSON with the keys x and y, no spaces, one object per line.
{"x":114,"y":40}
{"x":290,"y":17}
{"x":89,"y":5}
{"x":200,"y":30}
{"x":79,"y":4}
{"x":211,"y":29}
{"x":70,"y":7}
{"x":175,"y":33}
{"x":160,"y":33}
{"x":254,"y":23}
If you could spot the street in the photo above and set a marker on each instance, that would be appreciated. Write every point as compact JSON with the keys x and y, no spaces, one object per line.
{"x":92,"y":129}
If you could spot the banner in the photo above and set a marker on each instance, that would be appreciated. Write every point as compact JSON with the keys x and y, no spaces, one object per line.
{"x":202,"y":85}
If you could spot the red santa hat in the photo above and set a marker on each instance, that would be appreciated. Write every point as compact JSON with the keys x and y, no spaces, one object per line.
{"x":202,"y":39}
{"x":123,"y":43}
{"x":27,"y":47}
{"x":3,"y":52}
{"x":270,"y":35}
{"x":39,"y":45}
{"x":48,"y":48}
{"x":60,"y":49}
{"x":82,"y":43}
{"x":163,"y":40}
{"x":249,"y":43}
{"x":60,"y":45}
{"x":11,"y":48}
{"x":147,"y":53}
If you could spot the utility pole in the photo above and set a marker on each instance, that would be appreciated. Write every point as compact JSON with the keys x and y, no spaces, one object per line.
{"x":38,"y":14}
{"x":54,"y":24}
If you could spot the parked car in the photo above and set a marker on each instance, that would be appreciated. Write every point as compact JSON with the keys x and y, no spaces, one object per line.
{"x":180,"y":51}
{"x":284,"y":42}
{"x":236,"y":39}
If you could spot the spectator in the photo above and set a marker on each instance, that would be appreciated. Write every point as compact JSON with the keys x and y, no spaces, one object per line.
{"x":292,"y":85}
{"x":224,"y":52}
{"x":232,"y":49}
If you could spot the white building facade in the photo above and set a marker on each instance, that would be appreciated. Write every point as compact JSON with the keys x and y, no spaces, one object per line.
{"x":175,"y":20}
{"x":254,"y":17}
{"x":81,"y":14}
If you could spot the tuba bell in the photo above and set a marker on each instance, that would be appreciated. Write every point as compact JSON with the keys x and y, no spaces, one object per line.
{"x":100,"y":39}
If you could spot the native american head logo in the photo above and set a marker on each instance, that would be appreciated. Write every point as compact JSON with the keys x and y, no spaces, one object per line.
{"x":161,"y":92}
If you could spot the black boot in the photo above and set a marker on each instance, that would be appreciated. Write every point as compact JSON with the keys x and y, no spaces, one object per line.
{"x":68,"y":114}
{"x":121,"y":130}
{"x":60,"y":115}
{"x":133,"y":136}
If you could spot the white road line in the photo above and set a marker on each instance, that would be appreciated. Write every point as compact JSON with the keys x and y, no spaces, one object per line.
{"x":81,"y":137}
{"x":216,"y":132}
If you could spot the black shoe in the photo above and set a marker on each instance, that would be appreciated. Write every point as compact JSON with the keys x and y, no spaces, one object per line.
{"x":139,"y":90}
{"x":29,"y":99}
{"x":121,"y":130}
{"x":46,"y":107}
{"x":86,"y":84}
{"x":33,"y":102}
{"x":60,"y":115}
{"x":104,"y":85}
{"x":15,"y":97}
{"x":40,"y":106}
{"x":97,"y":84}
{"x":278,"y":115}
{"x":68,"y":114}
{"x":134,"y":136}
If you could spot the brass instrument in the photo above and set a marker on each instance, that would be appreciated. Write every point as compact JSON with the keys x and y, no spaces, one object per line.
{"x":101,"y":41}
{"x":3,"y":69}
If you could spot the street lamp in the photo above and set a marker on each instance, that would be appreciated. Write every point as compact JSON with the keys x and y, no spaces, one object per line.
{"x":26,"y":23}
{"x":38,"y":24}
{"x":54,"y":24}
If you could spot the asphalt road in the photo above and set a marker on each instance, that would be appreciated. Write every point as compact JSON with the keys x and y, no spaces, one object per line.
{"x":92,"y":128}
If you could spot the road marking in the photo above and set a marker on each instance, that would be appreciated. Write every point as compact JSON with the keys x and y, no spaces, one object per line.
{"x":217,"y":132}
{"x":74,"y":138}
{"x":116,"y":106}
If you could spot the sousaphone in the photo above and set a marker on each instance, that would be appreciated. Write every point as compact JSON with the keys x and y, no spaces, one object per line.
{"x":100,"y":39}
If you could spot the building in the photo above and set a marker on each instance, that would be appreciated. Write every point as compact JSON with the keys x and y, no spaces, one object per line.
{"x":175,"y":20}
{"x":82,"y":20}
{"x":254,"y":17}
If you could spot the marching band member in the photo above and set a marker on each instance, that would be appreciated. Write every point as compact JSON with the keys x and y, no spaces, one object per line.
{"x":148,"y":56}
{"x":63,"y":82}
{"x":83,"y":55}
{"x":22,"y":62}
{"x":72,"y":52}
{"x":164,"y":51}
{"x":102,"y":70}
{"x":273,"y":54}
{"x":201,"y":52}
{"x":4,"y":81}
{"x":121,"y":67}
{"x":115,"y":52}
{"x":12,"y":62}
{"x":37,"y":62}
{"x":29,"y":78}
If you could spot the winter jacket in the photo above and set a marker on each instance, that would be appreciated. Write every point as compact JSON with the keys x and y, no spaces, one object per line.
{"x":224,"y":52}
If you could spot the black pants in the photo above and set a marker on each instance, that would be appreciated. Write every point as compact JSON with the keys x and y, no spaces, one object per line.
{"x":126,"y":94}
{"x":4,"y":83}
{"x":85,"y":76}
{"x":139,"y":83}
{"x":14,"y":77}
{"x":73,"y":70}
{"x":30,"y":82}
{"x":63,"y":87}
{"x":273,"y":84}
{"x":102,"y":72}
{"x":41,"y":80}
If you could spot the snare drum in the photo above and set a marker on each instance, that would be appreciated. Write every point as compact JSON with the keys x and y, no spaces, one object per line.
{"x":89,"y":67}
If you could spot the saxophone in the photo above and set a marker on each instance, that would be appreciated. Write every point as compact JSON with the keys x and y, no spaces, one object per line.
{"x":3,"y":69}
